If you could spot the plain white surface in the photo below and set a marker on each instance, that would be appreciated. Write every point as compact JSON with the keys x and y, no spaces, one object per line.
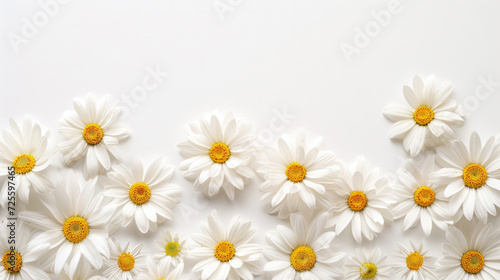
{"x":260,"y":56}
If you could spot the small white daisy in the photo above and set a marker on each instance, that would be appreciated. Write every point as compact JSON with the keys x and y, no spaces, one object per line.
{"x":367,"y":264}
{"x":218,"y":151}
{"x":172,"y":249}
{"x":92,"y":133}
{"x":429,"y":118}
{"x":22,"y":262}
{"x":77,"y":227}
{"x":415,"y":264}
{"x":304,"y":251}
{"x":162,"y":270}
{"x":146,"y":196}
{"x":361,"y":199}
{"x":24,"y":148}
{"x":226,"y":253}
{"x":125,"y":262}
{"x":418,"y":199}
{"x":297,"y":176}
{"x":472,"y":253}
{"x":471,"y":177}
{"x":83,"y":272}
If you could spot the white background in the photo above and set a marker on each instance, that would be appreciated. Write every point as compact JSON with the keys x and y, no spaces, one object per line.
{"x":252,"y":59}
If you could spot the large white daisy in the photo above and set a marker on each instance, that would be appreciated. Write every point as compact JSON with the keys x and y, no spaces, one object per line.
{"x":429,"y":118}
{"x":471,"y":177}
{"x":162,"y":270}
{"x":304,"y":251}
{"x":297,"y":176}
{"x":146,"y":196}
{"x":367,"y":264}
{"x":415,"y":264}
{"x":226,"y":253}
{"x":362,"y":198}
{"x":171,"y":248}
{"x":22,"y":262}
{"x":77,"y":227}
{"x":418,"y":199}
{"x":471,"y":253}
{"x":92,"y":133}
{"x":219,"y":151}
{"x":24,"y":148}
{"x":126,"y":262}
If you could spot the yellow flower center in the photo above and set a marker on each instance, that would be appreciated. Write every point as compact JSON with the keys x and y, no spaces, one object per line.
{"x":423,"y":115}
{"x":295,"y":172}
{"x":357,"y":201}
{"x":368,"y":271}
{"x":472,"y":262}
{"x":12,"y":261}
{"x":424,"y":196}
{"x":414,"y":261}
{"x":475,"y":175}
{"x":172,"y":249}
{"x":303,"y":258}
{"x":224,"y":251}
{"x":139,"y":193}
{"x":76,"y":229}
{"x":126,"y":261}
{"x":219,"y":153}
{"x":93,"y":134}
{"x":23,"y":163}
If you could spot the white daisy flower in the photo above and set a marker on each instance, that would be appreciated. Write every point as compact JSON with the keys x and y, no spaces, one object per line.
{"x":22,"y":262}
{"x":24,"y":148}
{"x":367,"y":264}
{"x":83,"y":272}
{"x":125,"y":263}
{"x":297,"y":176}
{"x":92,"y":133}
{"x":472,"y":253}
{"x":429,"y":118}
{"x":304,"y":251}
{"x":162,"y":270}
{"x":146,"y":196}
{"x":226,"y":253}
{"x":471,"y":177}
{"x":77,"y":226}
{"x":418,"y":199}
{"x":415,"y":264}
{"x":219,"y":152}
{"x":172,"y":249}
{"x":361,"y":199}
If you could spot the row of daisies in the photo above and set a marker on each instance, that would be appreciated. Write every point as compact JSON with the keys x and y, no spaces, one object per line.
{"x":303,"y":182}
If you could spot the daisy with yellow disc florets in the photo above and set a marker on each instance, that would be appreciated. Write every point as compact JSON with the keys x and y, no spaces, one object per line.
{"x":471,"y":176}
{"x":429,"y":118}
{"x":171,"y":249}
{"x":25,"y":158}
{"x":144,"y":196}
{"x":226,"y":252}
{"x":92,"y":133}
{"x":126,"y":262}
{"x":303,"y":252}
{"x":219,"y":151}
{"x":471,"y":253}
{"x":415,"y":264}
{"x":362,"y":198}
{"x":418,"y":198}
{"x":77,"y":227}
{"x":297,"y":176}
{"x":367,"y":264}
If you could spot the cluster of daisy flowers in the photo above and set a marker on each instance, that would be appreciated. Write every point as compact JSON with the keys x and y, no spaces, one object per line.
{"x":66,"y":226}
